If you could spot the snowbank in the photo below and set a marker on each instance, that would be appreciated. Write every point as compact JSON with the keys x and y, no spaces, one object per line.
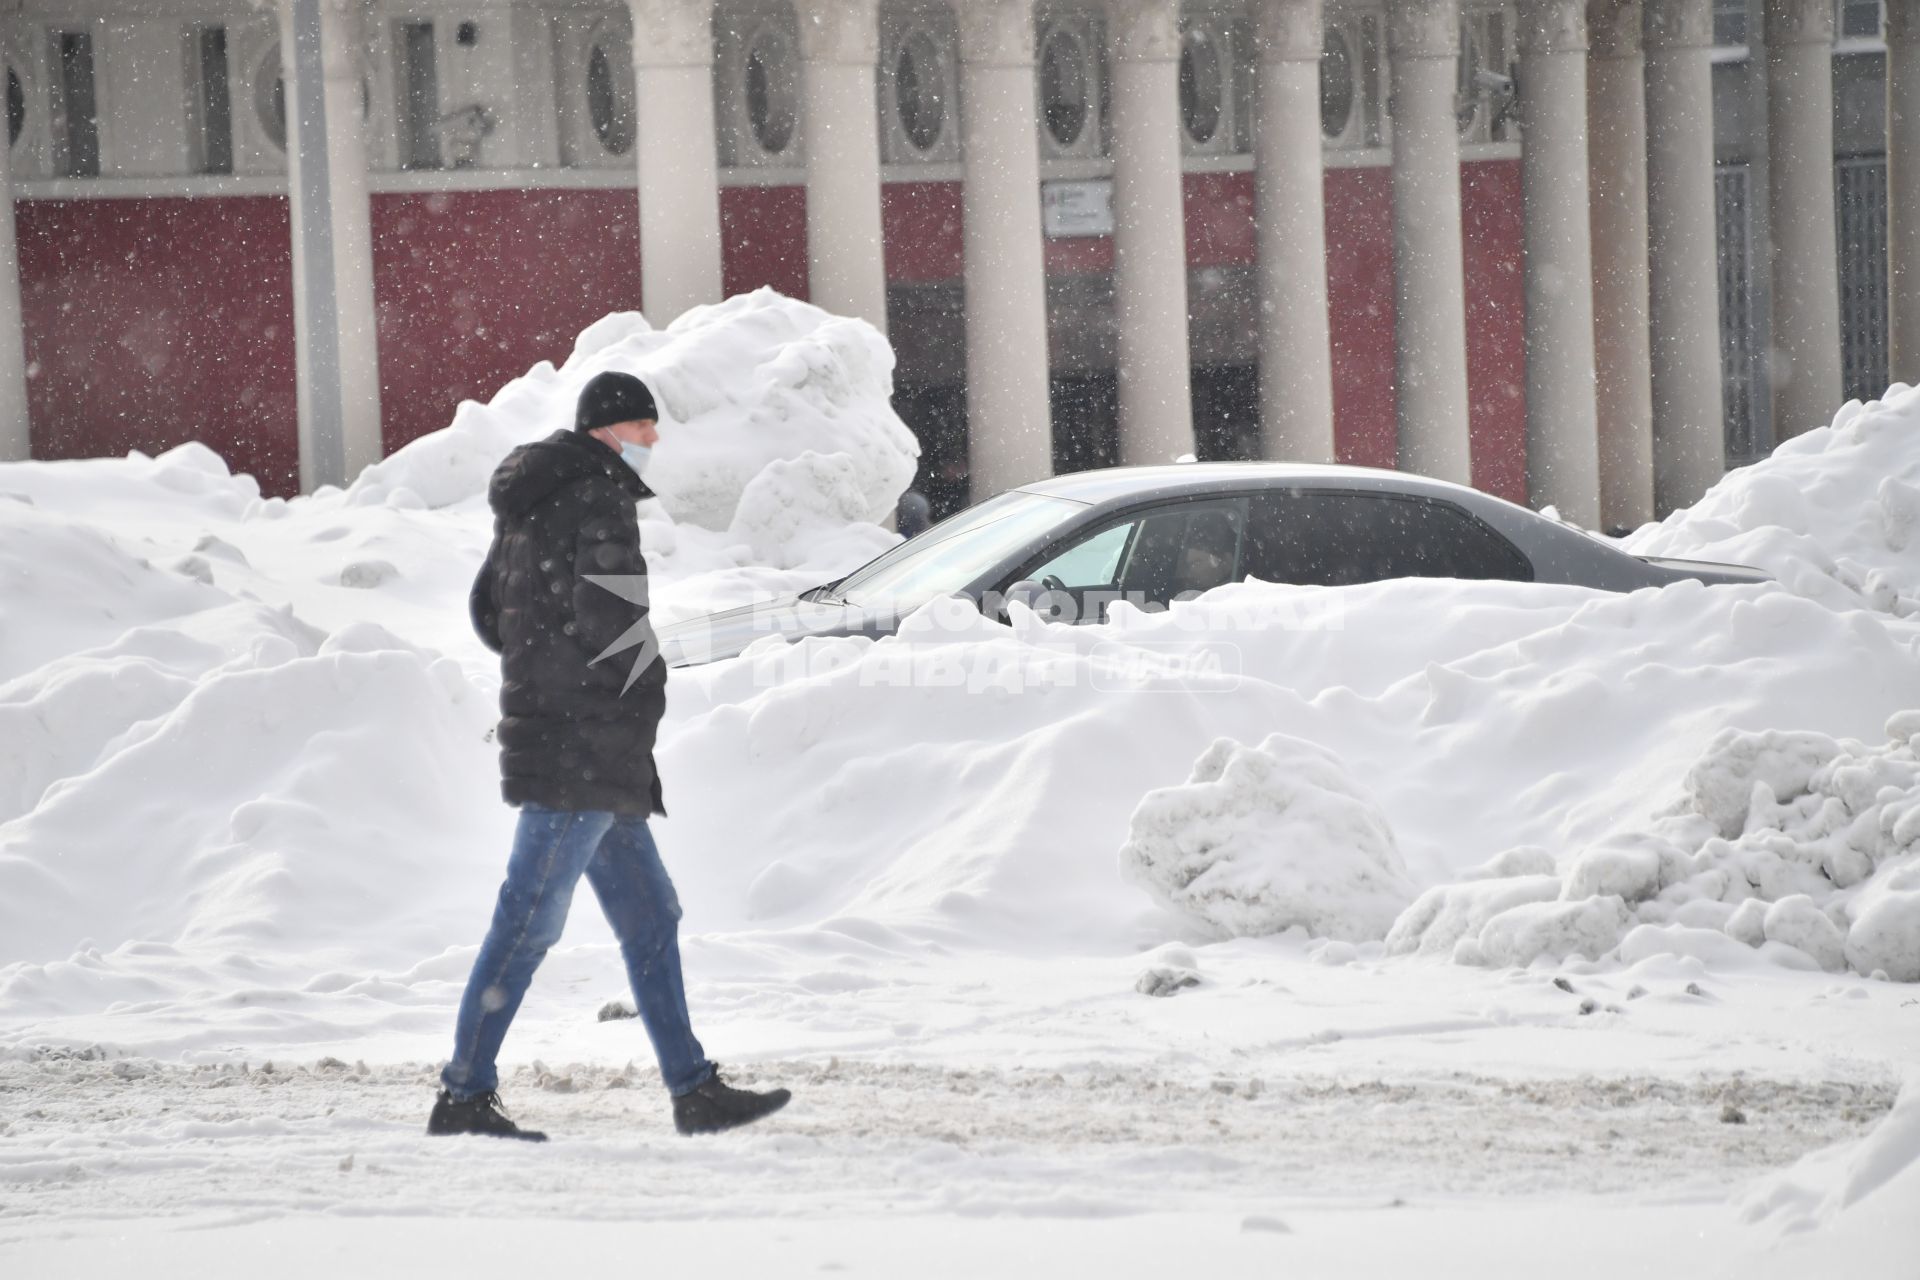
{"x":256,"y":796}
{"x":64,"y":585}
{"x":1264,"y":838}
{"x":776,"y":426}
{"x":242,"y":728}
{"x":1834,"y":514}
{"x":1800,"y":846}
{"x":251,"y":759}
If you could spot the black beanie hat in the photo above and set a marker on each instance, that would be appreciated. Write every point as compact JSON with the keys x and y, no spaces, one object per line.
{"x":611,"y":398}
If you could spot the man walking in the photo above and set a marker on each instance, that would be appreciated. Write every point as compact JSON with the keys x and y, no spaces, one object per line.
{"x":576,"y":755}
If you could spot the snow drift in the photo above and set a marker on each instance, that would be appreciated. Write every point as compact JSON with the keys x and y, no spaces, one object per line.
{"x":1834,"y":514}
{"x":267,"y":770}
{"x":242,"y":737}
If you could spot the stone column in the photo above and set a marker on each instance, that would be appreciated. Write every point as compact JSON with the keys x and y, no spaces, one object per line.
{"x":1903,"y":189}
{"x":1290,"y":226}
{"x":1683,"y":284}
{"x":676,"y":156}
{"x":337,"y":360}
{"x":16,"y":439}
{"x":1149,"y":234}
{"x":1563,"y":449}
{"x":1804,"y":364}
{"x":1009,"y":412}
{"x":839,"y":50}
{"x":1617,"y":206}
{"x":1429,"y":272}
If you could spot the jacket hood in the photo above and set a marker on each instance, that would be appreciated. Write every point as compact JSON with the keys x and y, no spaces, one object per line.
{"x":534,"y":472}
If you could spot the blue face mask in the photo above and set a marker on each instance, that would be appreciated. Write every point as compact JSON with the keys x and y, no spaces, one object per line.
{"x":635,"y":456}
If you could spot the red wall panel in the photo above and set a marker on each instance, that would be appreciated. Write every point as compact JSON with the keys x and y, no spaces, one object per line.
{"x":1360,"y":314}
{"x":1491,"y":219}
{"x":157,"y":321}
{"x":137,"y":337}
{"x":921,"y":224}
{"x":472,"y":288}
{"x":763,"y":236}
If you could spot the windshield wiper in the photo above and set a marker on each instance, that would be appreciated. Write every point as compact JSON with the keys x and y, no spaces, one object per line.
{"x":823,"y":592}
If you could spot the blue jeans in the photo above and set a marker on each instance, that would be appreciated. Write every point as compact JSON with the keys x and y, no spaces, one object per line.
{"x":551,"y":850}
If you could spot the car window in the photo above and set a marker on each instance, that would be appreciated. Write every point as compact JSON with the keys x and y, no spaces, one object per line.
{"x":1336,"y":539}
{"x":955,"y":553}
{"x":1092,"y":562}
{"x":1183,"y":551}
{"x":1151,"y":557}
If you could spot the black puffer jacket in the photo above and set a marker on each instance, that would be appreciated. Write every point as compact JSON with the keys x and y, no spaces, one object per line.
{"x":569,"y":737}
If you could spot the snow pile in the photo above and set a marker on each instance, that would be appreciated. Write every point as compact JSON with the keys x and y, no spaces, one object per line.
{"x":1880,"y":1172}
{"x":776,"y":426}
{"x":1264,"y":838}
{"x":62,"y":583}
{"x":1834,"y":514}
{"x":973,"y":785}
{"x":240,"y":784}
{"x":266,"y":773}
{"x":245,"y":742}
{"x":1795,"y":844}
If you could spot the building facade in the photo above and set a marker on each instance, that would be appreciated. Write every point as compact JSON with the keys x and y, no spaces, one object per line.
{"x":1569,"y":251}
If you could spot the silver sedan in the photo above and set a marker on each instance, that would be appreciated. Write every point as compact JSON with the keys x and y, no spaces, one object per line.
{"x":1071,"y":545}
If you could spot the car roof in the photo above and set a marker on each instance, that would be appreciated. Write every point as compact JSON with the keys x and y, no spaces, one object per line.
{"x":1110,"y":483}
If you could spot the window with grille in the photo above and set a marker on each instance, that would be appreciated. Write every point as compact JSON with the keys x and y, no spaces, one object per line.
{"x":1732,"y":191}
{"x":1730,"y":23}
{"x":1857,"y":19}
{"x":1860,"y":199}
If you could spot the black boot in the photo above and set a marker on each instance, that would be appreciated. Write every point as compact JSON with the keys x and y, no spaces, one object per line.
{"x":717,"y":1105}
{"x":476,"y":1115}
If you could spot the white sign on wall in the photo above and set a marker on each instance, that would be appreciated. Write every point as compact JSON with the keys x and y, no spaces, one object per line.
{"x":1077,"y":208}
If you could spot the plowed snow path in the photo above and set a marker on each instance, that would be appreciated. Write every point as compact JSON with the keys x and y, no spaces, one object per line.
{"x":98,"y":1139}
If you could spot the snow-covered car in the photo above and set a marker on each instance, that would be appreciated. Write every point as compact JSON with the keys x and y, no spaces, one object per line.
{"x":1070,"y":545}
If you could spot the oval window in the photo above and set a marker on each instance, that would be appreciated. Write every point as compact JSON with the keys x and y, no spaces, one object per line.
{"x":919,"y":91}
{"x":270,"y":98}
{"x":1336,"y":85}
{"x":770,"y":93}
{"x":609,"y":98}
{"x":1202,"y":87}
{"x":1466,"y":100}
{"x":16,"y":106}
{"x":1064,"y":91}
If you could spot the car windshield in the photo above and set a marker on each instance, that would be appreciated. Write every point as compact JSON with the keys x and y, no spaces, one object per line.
{"x":953,"y":554}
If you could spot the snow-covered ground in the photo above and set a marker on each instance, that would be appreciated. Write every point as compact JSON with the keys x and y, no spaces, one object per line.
{"x":1511,"y":926}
